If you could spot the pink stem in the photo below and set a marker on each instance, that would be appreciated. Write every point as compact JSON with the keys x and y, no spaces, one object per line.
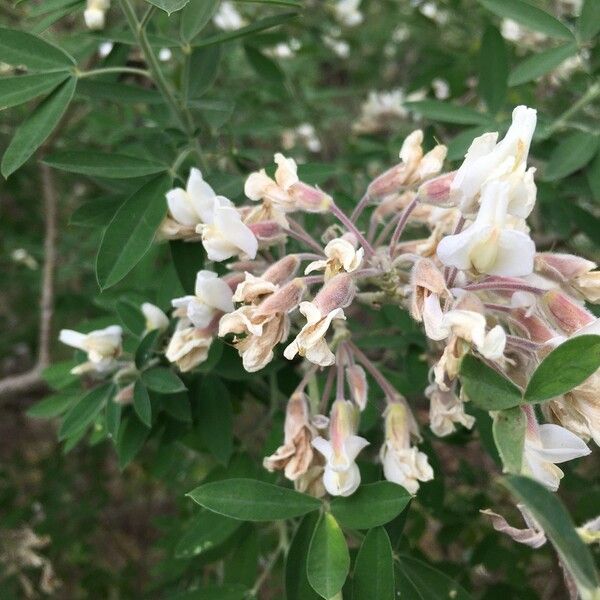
{"x":402,"y":224}
{"x":350,"y":226}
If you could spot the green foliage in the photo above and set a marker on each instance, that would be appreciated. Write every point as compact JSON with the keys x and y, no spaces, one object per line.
{"x":374,"y":568}
{"x":509,"y":436}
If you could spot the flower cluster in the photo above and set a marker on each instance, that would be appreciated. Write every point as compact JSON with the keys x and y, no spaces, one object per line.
{"x":475,"y":282}
{"x":95,"y":13}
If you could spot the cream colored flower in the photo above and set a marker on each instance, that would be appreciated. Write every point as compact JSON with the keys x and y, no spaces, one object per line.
{"x":155,"y":317}
{"x":95,"y":13}
{"x":295,"y":456}
{"x":189,"y":345}
{"x":227,"y":17}
{"x":341,"y":255}
{"x":446,"y":409}
{"x":341,"y":476}
{"x":102,"y":346}
{"x":402,"y":463}
{"x":212,"y":296}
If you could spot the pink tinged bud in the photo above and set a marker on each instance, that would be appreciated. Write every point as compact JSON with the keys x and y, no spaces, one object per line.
{"x":283,"y":300}
{"x":125,"y":395}
{"x":357,"y":382}
{"x":342,"y":424}
{"x":436,"y":191}
{"x":233,"y":280}
{"x":282,"y":270}
{"x":389,"y":182}
{"x":563,"y":267}
{"x":338,"y":292}
{"x":266,"y":230}
{"x":309,"y":198}
{"x":537,"y":329}
{"x":567,"y":313}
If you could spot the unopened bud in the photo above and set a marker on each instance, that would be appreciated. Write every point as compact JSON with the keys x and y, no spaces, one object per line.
{"x":567,"y":313}
{"x":536,"y":328}
{"x":124,"y":395}
{"x":283,"y":300}
{"x":266,"y":231}
{"x":436,"y":191}
{"x":562,"y":267}
{"x":309,"y":199}
{"x":357,"y":382}
{"x":338,"y":292}
{"x":389,"y":182}
{"x":282,"y":270}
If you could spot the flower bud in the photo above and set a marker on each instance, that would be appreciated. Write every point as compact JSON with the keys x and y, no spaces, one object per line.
{"x":267,"y":231}
{"x":536,"y":328}
{"x":357,"y":382}
{"x":337,"y":293}
{"x":436,"y":191}
{"x":94,"y":18}
{"x":566,"y":312}
{"x":282,"y":270}
{"x":389,"y":182}
{"x":309,"y":199}
{"x":284,"y":300}
{"x":562,"y":267}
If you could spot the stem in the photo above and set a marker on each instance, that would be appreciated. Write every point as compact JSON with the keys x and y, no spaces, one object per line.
{"x":358,"y":209}
{"x":272,"y":560}
{"x":339,"y":367}
{"x":327,"y":390}
{"x":313,"y":279}
{"x":350,"y":226}
{"x":592,"y":93}
{"x":107,"y":70}
{"x":402,"y":224}
{"x":386,"y":387}
{"x":503,"y":287}
{"x":310,"y":373}
{"x":298,"y":232}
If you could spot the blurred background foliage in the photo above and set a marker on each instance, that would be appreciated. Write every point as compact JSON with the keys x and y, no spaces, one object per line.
{"x":454,"y":68}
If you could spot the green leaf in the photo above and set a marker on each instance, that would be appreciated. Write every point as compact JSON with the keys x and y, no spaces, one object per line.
{"x":118,"y":92}
{"x":96,"y":213}
{"x":297,"y":586}
{"x":131,"y":316}
{"x":178,"y":407}
{"x":215,"y":418}
{"x":85,"y":411}
{"x":95,"y":164}
{"x":486,"y":388}
{"x":252,"y":500}
{"x":142,"y":404}
{"x":206,"y":531}
{"x":328,"y":559}
{"x":374,"y":568}
{"x":204,"y":68}
{"x":493,"y":69}
{"x":132,"y":435}
{"x":586,"y":222}
{"x":195,"y":17}
{"x":554,"y":519}
{"x":188,"y":260}
{"x":171,"y":6}
{"x":162,"y":380}
{"x":592,"y":174}
{"x":436,"y":110}
{"x":371,"y":505}
{"x":255,"y":27}
{"x":294,"y":3}
{"x":588,"y":24}
{"x":419,"y":581}
{"x":571,"y":154}
{"x":264,"y":66}
{"x":32,"y":133}
{"x":529,"y":16}
{"x":20,"y":48}
{"x":145,"y":349}
{"x":49,"y":6}
{"x":59,"y":376}
{"x":232,"y":591}
{"x":509,"y":435}
{"x":22,"y":88}
{"x":539,"y":64}
{"x":54,"y":405}
{"x":131,"y":232}
{"x":564,"y":368}
{"x":113,"y":420}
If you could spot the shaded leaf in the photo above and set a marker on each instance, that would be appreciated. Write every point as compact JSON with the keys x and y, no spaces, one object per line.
{"x":54,"y":405}
{"x":493,"y":69}
{"x":539,"y":64}
{"x":588,"y":23}
{"x":142,"y":404}
{"x":436,"y":110}
{"x":252,"y":500}
{"x":509,"y":435}
{"x":132,"y":435}
{"x":571,"y":154}
{"x":195,"y":17}
{"x":21,"y":48}
{"x":215,"y":418}
{"x":21,"y":88}
{"x":162,"y":380}
{"x":374,"y":568}
{"x":85,"y":411}
{"x":206,"y":531}
{"x":171,"y":6}
{"x":297,"y":586}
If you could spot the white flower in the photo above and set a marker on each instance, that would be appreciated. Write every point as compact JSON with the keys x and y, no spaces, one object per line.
{"x":547,"y":445}
{"x":212,"y":295}
{"x":465,"y":324}
{"x":193,"y":205}
{"x":102,"y":346}
{"x":402,"y":463}
{"x":310,"y":342}
{"x":347,"y":12}
{"x":445,"y":410}
{"x":341,"y":255}
{"x":506,"y":160}
{"x":341,"y":476}
{"x":165,"y":54}
{"x":189,"y":345}
{"x":441,"y":89}
{"x":155,"y":317}
{"x":225,"y":235}
{"x":259,"y":186}
{"x":94,"y":14}
{"x":227,"y":17}
{"x":488,"y":246}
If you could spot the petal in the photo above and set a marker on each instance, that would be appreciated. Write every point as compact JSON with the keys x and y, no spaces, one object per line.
{"x":286,"y":173}
{"x":200,"y":195}
{"x":228,"y":220}
{"x":216,"y":293}
{"x":494,"y":343}
{"x":516,"y":253}
{"x":433,"y":319}
{"x":454,"y":250}
{"x":560,"y":445}
{"x":353,"y":445}
{"x":323,"y":446}
{"x":181,"y":208}
{"x":73,"y":338}
{"x":257,"y":184}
